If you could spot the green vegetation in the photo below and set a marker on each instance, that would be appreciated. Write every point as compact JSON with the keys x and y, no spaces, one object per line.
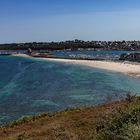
{"x":74,"y":45}
{"x":125,"y":125}
{"x":115,"y":121}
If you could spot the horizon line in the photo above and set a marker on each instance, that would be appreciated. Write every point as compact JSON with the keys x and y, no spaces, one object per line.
{"x":54,"y":41}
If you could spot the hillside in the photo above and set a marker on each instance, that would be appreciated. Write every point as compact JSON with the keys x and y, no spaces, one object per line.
{"x":114,"y":121}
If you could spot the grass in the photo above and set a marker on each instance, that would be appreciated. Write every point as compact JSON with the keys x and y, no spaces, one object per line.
{"x":115,"y":121}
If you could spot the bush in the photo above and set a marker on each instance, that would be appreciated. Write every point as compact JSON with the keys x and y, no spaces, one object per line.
{"x":124,"y":125}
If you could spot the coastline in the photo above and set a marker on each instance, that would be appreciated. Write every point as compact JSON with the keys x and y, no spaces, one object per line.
{"x":76,"y":123}
{"x":21,"y":55}
{"x":53,"y":122}
{"x":89,"y":122}
{"x":130,"y":68}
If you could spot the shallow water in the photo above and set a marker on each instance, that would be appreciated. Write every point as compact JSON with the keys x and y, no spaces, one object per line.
{"x":30,"y":86}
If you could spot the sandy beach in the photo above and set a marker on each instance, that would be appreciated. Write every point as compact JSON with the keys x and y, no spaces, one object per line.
{"x":130,"y":68}
{"x":21,"y":55}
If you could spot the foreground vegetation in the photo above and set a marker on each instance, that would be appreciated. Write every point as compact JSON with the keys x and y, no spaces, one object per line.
{"x":125,"y":124}
{"x":115,"y":121}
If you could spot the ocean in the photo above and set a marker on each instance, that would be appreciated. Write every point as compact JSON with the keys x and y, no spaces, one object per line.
{"x":30,"y":86}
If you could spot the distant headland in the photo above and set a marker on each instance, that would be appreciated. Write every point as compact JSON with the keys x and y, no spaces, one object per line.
{"x":74,"y":45}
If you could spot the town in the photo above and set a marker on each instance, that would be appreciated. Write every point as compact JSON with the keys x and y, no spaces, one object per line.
{"x":74,"y":45}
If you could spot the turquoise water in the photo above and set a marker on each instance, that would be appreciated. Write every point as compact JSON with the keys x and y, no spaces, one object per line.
{"x":31,"y":86}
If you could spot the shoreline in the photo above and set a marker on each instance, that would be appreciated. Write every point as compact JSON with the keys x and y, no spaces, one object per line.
{"x":91,"y":119}
{"x":129,"y":68}
{"x":125,"y":67}
{"x":21,"y":55}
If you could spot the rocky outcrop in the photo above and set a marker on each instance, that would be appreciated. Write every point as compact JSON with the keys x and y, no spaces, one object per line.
{"x":130,"y":57}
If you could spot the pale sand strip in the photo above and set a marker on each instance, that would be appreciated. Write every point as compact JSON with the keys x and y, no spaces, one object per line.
{"x":20,"y":54}
{"x":123,"y":67}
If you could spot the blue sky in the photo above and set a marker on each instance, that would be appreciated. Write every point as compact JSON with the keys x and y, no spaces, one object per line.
{"x":57,"y":20}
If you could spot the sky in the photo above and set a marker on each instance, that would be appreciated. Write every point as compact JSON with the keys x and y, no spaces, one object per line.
{"x":60,"y":20}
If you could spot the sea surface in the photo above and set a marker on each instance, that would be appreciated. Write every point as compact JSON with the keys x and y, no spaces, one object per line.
{"x":100,"y":54}
{"x":30,"y":86}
